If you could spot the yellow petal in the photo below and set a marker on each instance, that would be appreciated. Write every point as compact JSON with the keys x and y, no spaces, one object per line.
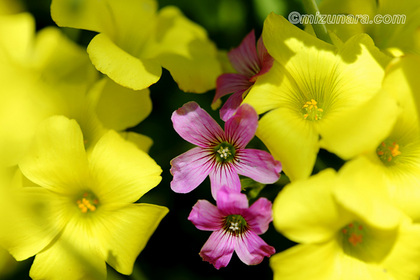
{"x":74,"y":255}
{"x":291,"y":140}
{"x":124,"y":233}
{"x":183,"y":47}
{"x":120,"y":108}
{"x":16,"y":35}
{"x":283,"y":40}
{"x":274,"y":89}
{"x":402,"y":262}
{"x":57,"y":158}
{"x":305,"y":211}
{"x":361,"y":129}
{"x":122,"y":173}
{"x":402,"y":77}
{"x":358,"y":107}
{"x":306,"y":261}
{"x":62,"y":61}
{"x":30,"y":220}
{"x":101,"y":16}
{"x":122,"y":67}
{"x":362,"y":190}
{"x":142,"y":142}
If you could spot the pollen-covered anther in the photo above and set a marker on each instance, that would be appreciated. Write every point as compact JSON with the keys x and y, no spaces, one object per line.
{"x":312,"y":111}
{"x":87,"y":203}
{"x":235,"y":224}
{"x":353,"y":233}
{"x":224,"y":152}
{"x":355,"y":239}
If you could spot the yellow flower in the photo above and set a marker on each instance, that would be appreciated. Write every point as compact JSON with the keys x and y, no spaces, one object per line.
{"x":319,"y":96}
{"x":347,"y":228}
{"x":135,"y":41}
{"x":398,"y":154}
{"x":87,"y":204}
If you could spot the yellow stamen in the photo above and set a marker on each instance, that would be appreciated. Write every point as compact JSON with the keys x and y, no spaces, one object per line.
{"x":311,"y":111}
{"x":87,"y":203}
{"x":355,"y":239}
{"x":395,"y":150}
{"x":387,"y":151}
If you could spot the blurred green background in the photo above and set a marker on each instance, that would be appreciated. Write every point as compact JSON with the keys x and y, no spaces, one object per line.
{"x":172,"y":252}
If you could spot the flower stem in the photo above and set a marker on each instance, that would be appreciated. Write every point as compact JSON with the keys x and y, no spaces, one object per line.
{"x":320,"y":29}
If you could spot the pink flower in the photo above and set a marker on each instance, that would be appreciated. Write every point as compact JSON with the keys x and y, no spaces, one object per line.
{"x":219,"y":154}
{"x":235,"y":228}
{"x":249,"y":61}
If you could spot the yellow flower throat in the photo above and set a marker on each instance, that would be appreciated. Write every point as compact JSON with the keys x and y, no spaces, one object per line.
{"x":387,"y":151}
{"x":87,"y":203}
{"x":311,"y":111}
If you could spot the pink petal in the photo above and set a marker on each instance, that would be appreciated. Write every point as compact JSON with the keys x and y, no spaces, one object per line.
{"x":206,"y":216}
{"x":265,"y":59}
{"x":231,"y":202}
{"x":244,"y":58}
{"x":218,"y":249}
{"x":251,"y":249}
{"x":259,"y":215}
{"x":258,"y":165}
{"x":190,"y":169}
{"x":241,"y":128}
{"x":196,"y":126}
{"x":230,"y":83}
{"x":224,"y":175}
{"x":231,"y":105}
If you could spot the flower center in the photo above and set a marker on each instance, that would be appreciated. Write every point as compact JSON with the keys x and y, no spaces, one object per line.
{"x":235,"y":224}
{"x":387,"y":151}
{"x":88,"y":202}
{"x":311,"y":111}
{"x":224,"y":152}
{"x":352,"y":238}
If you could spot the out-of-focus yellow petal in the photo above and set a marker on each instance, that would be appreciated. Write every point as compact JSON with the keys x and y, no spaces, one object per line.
{"x":16,"y":35}
{"x":306,"y":212}
{"x":402,"y":262}
{"x":305,"y":261}
{"x":142,"y":142}
{"x":61,"y":61}
{"x":122,"y":67}
{"x":405,"y":79}
{"x":119,"y":107}
{"x":24,"y":103}
{"x":28,"y":218}
{"x":183,"y":47}
{"x":10,"y":7}
{"x":362,"y":190}
{"x":57,"y":159}
{"x":399,"y":31}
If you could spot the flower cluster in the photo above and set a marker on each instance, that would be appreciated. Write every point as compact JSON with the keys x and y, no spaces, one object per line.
{"x":353,"y":101}
{"x":222,"y":156}
{"x":335,"y":108}
{"x":71,"y":175}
